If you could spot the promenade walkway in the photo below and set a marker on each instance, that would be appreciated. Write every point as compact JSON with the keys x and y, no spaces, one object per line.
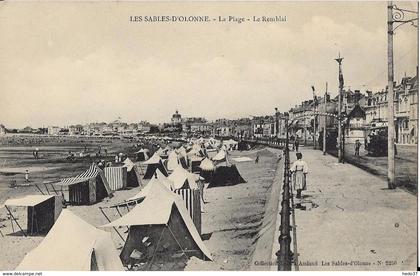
{"x":352,"y":221}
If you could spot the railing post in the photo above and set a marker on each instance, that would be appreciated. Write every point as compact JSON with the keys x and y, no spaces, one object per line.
{"x":284,"y":256}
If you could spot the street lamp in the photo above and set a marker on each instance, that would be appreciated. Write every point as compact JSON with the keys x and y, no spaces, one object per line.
{"x":395,"y":15}
{"x":340,"y":91}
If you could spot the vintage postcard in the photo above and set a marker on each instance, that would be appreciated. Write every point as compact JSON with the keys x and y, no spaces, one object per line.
{"x":208,"y":136}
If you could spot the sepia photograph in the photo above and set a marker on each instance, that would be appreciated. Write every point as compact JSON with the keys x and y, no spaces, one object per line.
{"x":208,"y":136}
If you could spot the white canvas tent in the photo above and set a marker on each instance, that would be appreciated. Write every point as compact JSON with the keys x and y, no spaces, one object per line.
{"x":142,"y":155}
{"x":73,"y":245}
{"x":133,"y":173}
{"x":183,"y":179}
{"x":173,"y":161}
{"x":220,"y":156}
{"x":207,"y":165}
{"x":153,"y":164}
{"x":168,"y":224}
{"x":159,"y":180}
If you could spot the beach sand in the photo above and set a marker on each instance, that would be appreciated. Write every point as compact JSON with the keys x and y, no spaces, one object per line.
{"x":230,"y":222}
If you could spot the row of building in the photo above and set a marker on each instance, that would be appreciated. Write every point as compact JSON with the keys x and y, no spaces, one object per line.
{"x":362,"y":112}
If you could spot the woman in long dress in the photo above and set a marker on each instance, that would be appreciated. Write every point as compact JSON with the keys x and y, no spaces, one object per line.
{"x":299,"y":170}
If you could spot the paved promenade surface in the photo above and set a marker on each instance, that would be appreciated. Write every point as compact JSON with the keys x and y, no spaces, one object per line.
{"x":352,"y":221}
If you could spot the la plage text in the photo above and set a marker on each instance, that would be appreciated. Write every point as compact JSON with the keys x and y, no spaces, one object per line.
{"x":206,"y":18}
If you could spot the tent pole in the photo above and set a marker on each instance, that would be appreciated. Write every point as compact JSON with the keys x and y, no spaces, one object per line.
{"x":11,"y":215}
{"x":48,"y":192}
{"x":39,"y":189}
{"x":118,"y":210}
{"x":182,"y":249}
{"x":54,"y":189}
{"x":11,"y":222}
{"x":102,"y":211}
{"x":32,"y":215}
{"x":157,"y":244}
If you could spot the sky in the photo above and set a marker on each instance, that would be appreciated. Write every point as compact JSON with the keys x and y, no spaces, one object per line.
{"x":65,"y":63}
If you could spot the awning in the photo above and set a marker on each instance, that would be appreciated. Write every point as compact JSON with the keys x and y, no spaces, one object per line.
{"x":27,"y":201}
{"x":71,"y":181}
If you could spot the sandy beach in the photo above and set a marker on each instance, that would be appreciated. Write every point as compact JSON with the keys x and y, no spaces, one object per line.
{"x":231,"y":220}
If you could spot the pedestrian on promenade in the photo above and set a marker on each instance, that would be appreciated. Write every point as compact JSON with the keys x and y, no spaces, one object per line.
{"x":292,"y":139}
{"x":296,"y":144}
{"x":357,"y":146}
{"x":299,"y":171}
{"x":395,"y":148}
{"x":257,"y":159}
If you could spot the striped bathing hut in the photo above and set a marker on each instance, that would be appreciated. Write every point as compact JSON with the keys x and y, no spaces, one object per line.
{"x":192,"y":202}
{"x":88,"y":187}
{"x":116,"y":177}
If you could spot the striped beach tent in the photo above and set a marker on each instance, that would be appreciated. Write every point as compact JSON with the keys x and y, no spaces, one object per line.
{"x":192,"y":201}
{"x":116,"y":177}
{"x":88,"y":187}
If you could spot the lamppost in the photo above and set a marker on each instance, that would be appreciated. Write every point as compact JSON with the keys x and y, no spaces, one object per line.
{"x":277,"y":123}
{"x":395,"y":15}
{"x":324,"y":136}
{"x":340,"y":92}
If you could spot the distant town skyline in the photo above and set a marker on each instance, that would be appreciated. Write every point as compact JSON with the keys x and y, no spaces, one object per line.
{"x":76,"y":63}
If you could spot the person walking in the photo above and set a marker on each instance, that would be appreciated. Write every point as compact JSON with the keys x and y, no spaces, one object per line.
{"x":299,"y":171}
{"x":297,"y":144}
{"x":257,"y":159}
{"x":26,"y":175}
{"x":357,"y":146}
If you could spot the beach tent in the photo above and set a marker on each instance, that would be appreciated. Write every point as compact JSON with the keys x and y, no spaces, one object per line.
{"x":207,"y":165}
{"x":168,"y":229}
{"x":214,"y":142}
{"x":206,"y":169}
{"x":154,"y":163}
{"x":133,"y":173}
{"x":116,"y":177}
{"x":220,"y":156}
{"x":230,"y":144}
{"x":87,"y":188}
{"x":242,"y":145}
{"x":226,"y":176}
{"x":182,"y":151}
{"x":173,"y":161}
{"x":142,"y":155}
{"x":158,"y":179}
{"x":73,"y":245}
{"x":195,"y":162}
{"x":160,"y":152}
{"x":42,"y":212}
{"x":183,"y":179}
